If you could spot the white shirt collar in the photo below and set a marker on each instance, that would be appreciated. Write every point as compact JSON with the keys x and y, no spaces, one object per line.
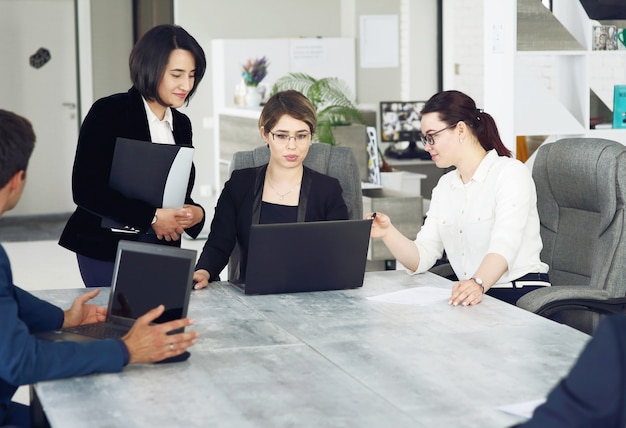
{"x":483,"y":168}
{"x":485,"y":165}
{"x":153,"y":118}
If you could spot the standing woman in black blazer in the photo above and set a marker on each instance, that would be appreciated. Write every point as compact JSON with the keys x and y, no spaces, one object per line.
{"x":166,"y":66}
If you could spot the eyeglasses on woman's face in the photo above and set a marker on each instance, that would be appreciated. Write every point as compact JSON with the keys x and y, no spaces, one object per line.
{"x":284,"y":138}
{"x":429,"y":138}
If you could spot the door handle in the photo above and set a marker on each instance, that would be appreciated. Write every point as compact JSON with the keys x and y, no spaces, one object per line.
{"x":70,"y":105}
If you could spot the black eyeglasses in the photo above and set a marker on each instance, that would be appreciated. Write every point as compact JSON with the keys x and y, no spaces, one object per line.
{"x":428,"y":138}
{"x":284,"y":138}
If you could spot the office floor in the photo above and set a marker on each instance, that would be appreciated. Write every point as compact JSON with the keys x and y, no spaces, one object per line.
{"x":38,"y":262}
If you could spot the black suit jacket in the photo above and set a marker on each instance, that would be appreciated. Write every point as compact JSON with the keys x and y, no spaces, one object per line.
{"x":119,"y":115}
{"x":594,"y":392}
{"x":239,"y":206}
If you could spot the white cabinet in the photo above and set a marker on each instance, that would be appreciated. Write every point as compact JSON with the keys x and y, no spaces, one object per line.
{"x":540,"y":70}
{"x":318,"y":57}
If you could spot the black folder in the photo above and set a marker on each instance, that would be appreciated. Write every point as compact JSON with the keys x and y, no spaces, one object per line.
{"x":151,"y":172}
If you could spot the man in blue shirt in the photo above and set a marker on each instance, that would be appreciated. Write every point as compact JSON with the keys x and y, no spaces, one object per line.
{"x":25,"y":359}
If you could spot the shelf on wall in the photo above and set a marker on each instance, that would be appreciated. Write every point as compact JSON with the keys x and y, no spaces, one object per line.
{"x":539,"y":30}
{"x":541,"y":112}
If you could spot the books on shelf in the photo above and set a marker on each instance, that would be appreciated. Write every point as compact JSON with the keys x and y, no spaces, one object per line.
{"x":603,"y":126}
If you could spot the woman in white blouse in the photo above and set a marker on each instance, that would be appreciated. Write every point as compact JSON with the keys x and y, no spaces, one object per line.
{"x":483,"y":213}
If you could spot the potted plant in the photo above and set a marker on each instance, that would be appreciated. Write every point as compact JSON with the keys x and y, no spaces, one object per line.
{"x":339,"y":121}
{"x":253,"y":72}
{"x":331,"y":98}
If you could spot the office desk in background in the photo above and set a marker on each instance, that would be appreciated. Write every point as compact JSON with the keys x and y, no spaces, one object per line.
{"x":329,"y":359}
{"x":419,"y":166}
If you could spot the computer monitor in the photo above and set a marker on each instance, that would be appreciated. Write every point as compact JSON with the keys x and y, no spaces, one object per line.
{"x":400,"y":122}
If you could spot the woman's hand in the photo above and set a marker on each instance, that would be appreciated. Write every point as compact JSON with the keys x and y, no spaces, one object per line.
{"x":201,"y":279}
{"x":189,"y":215}
{"x":83,"y":313}
{"x":402,"y":248}
{"x":466,"y":293}
{"x":167,"y":226}
{"x":380,"y":224}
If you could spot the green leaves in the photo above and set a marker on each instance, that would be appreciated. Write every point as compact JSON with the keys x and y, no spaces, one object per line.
{"x":331,"y":98}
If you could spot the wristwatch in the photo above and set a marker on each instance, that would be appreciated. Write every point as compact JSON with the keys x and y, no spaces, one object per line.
{"x":479,"y":282}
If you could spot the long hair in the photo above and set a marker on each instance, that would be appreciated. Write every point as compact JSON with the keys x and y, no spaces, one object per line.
{"x":455,"y":106}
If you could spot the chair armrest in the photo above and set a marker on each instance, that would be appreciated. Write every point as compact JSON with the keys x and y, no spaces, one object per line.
{"x":616,"y":305}
{"x":550,"y":300}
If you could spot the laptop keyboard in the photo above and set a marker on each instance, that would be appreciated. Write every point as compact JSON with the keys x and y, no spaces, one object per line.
{"x":99,"y":330}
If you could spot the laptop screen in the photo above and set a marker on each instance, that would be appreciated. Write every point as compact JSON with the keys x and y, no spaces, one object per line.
{"x":148,"y":275}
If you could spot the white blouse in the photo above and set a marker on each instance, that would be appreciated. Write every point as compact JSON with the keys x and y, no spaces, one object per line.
{"x":495,"y":212}
{"x":160,"y":130}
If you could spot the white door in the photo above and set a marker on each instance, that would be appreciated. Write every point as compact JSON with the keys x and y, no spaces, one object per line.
{"x":47,"y":95}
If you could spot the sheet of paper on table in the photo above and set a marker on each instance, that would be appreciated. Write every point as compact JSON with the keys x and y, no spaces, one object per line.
{"x":420,"y":296}
{"x":525,"y":409}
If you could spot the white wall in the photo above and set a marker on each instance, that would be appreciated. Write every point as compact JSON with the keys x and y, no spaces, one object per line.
{"x":207,"y":20}
{"x":111,"y":42}
{"x":463,"y":30}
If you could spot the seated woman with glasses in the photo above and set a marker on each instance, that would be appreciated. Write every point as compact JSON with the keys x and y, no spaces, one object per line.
{"x":282,"y":191}
{"x":483,"y":213}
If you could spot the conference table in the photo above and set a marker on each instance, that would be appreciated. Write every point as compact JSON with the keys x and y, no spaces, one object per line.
{"x":329,"y":359}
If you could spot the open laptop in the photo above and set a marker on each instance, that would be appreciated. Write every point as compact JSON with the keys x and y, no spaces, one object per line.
{"x":309,"y":256}
{"x":144,"y":276}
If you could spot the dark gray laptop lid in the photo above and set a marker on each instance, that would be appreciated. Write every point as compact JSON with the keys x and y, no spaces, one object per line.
{"x":309,"y":256}
{"x":148,"y":275}
{"x":145,"y":276}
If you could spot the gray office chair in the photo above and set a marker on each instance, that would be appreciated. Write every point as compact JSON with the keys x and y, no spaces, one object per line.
{"x":581,"y":192}
{"x":335,"y":161}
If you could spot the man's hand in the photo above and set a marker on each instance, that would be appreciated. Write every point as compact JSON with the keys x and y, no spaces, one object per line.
{"x":83,"y":313}
{"x":148,"y":343}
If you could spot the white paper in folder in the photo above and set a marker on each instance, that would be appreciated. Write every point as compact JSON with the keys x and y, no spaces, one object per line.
{"x":178,"y":178}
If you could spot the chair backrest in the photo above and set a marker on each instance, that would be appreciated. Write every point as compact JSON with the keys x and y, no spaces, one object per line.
{"x":335,"y":161}
{"x":581,"y":191}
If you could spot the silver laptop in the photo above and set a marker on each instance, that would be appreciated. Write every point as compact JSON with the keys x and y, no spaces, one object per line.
{"x":309,"y":256}
{"x":145,"y":276}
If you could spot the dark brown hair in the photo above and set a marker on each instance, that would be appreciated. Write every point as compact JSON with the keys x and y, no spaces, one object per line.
{"x":455,"y":106}
{"x":289,"y":102}
{"x":17,"y":141}
{"x":151,"y":53}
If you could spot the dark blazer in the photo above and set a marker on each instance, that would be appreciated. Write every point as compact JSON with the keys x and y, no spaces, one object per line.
{"x":239,"y":206}
{"x":594,"y":392}
{"x":119,"y":115}
{"x":25,"y":359}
